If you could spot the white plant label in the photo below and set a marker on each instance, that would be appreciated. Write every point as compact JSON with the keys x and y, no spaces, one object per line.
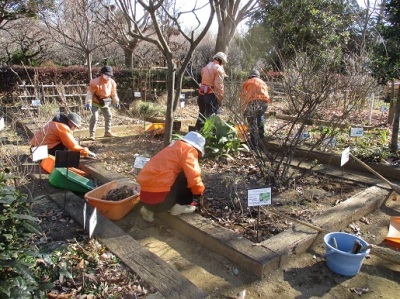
{"x":345,"y":156}
{"x":1,"y":123}
{"x":182,"y":104}
{"x":39,"y":153}
{"x":259,"y":197}
{"x":137,"y":94}
{"x":35,"y":103}
{"x":356,"y":132}
{"x":84,"y":216}
{"x":140,"y":162}
{"x":92,"y":222}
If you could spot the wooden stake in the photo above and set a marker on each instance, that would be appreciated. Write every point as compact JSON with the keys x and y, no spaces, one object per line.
{"x":395,"y":187}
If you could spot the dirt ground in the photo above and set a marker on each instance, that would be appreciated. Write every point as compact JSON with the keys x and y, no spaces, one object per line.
{"x":305,"y":276}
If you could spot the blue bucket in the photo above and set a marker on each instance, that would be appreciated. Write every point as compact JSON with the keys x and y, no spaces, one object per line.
{"x":340,"y":260}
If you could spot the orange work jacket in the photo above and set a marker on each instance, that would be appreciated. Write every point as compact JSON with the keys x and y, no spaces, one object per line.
{"x":54,"y":133}
{"x":161,"y":171}
{"x":212,"y":76}
{"x":102,"y":88}
{"x":254,"y":89}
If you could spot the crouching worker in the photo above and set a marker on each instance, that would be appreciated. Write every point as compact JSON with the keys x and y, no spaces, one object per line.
{"x":57,"y":134}
{"x":172,"y":178}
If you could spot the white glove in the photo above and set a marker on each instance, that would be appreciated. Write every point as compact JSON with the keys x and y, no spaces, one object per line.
{"x":92,"y":155}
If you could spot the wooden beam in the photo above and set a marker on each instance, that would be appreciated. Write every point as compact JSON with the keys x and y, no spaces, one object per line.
{"x":158,"y":273}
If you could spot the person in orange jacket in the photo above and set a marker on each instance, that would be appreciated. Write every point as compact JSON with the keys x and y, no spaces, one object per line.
{"x":254,"y":102}
{"x":171,"y":180}
{"x":101,"y":92}
{"x":57,"y":134}
{"x":212,"y":84}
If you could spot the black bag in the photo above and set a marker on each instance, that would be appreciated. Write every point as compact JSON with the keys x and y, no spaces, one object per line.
{"x":105,"y":101}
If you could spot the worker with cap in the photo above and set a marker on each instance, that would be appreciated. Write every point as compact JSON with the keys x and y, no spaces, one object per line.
{"x":254,"y":99}
{"x":171,"y":180}
{"x":212,"y":85}
{"x":102,"y":91}
{"x":57,"y":134}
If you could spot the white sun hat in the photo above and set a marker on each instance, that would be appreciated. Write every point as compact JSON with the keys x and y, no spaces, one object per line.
{"x":221,"y":56}
{"x":196,"y":140}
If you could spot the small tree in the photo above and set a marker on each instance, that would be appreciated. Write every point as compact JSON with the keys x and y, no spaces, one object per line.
{"x":176,"y":62}
{"x":73,"y":23}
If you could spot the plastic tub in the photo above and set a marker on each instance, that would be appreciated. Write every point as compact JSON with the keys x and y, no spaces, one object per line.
{"x":113,"y":210}
{"x":155,"y":128}
{"x":49,"y":163}
{"x":74,"y":182}
{"x":340,"y":260}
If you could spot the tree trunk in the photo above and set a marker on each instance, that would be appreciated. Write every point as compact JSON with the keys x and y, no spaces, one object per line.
{"x":225,"y":36}
{"x":395,"y":130}
{"x":169,"y":114}
{"x":221,"y":44}
{"x":89,"y":64}
{"x":392,"y":106}
{"x":128,"y":53}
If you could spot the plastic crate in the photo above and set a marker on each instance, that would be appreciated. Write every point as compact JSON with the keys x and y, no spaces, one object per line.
{"x":74,"y":182}
{"x":113,"y":210}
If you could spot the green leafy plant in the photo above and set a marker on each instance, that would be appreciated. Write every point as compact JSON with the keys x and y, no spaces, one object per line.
{"x":221,"y":138}
{"x":17,"y":251}
{"x":146,"y":109}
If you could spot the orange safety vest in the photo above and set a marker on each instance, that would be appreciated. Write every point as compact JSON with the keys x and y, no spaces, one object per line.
{"x":161,"y":171}
{"x":212,"y":78}
{"x":254,"y":89}
{"x":54,"y":133}
{"x":102,"y":89}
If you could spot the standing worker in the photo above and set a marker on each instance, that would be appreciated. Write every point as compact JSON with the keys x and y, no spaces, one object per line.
{"x":57,"y":134}
{"x":212,"y":84}
{"x":254,"y":102}
{"x":172,"y":178}
{"x":101,"y":92}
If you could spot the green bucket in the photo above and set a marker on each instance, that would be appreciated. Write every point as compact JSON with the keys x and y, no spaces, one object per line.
{"x":73,"y":182}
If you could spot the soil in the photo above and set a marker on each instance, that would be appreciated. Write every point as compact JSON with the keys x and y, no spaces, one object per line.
{"x":305,"y":275}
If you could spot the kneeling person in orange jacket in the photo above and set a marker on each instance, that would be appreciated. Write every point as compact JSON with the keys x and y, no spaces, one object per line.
{"x":57,"y":134}
{"x":172,"y":178}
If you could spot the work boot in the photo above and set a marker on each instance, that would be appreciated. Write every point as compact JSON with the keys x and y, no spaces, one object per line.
{"x":146,"y":214}
{"x":182,"y":209}
{"x":92,"y":137}
{"x":109,"y":134}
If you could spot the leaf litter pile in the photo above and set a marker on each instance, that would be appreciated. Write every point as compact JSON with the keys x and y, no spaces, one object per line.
{"x":74,"y":266}
{"x":120,"y":193}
